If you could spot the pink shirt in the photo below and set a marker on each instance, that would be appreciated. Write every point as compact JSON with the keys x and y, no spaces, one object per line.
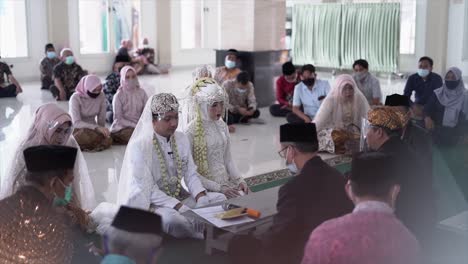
{"x":128,"y":106}
{"x":87,"y":112}
{"x":371,"y":234}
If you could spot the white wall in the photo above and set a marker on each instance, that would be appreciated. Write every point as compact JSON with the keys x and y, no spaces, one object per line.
{"x":28,"y":68}
{"x":455,"y":39}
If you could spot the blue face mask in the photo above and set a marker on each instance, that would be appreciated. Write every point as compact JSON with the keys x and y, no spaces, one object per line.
{"x":423,"y":72}
{"x":451,"y":85}
{"x":230,"y":64}
{"x":239,"y":90}
{"x":51,"y":54}
{"x":69,"y":60}
{"x":59,"y":201}
{"x":117,"y":259}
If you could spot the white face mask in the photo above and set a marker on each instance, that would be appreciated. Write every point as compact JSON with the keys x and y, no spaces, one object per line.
{"x":132,"y":83}
{"x":229,"y":64}
{"x":239,"y":90}
{"x":291,"y":166}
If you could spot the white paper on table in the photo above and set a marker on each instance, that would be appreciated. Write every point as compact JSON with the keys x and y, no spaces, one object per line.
{"x":210,"y":213}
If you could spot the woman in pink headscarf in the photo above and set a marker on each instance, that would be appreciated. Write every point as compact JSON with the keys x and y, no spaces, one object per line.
{"x":53,"y":126}
{"x":128,"y":104}
{"x":88,"y":112}
{"x":345,"y":105}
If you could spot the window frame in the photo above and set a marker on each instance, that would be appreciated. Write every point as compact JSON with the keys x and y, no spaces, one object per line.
{"x":27,"y":58}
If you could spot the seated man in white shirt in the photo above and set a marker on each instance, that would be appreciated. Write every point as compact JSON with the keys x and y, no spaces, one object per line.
{"x":157,"y":167}
{"x":308,"y":96}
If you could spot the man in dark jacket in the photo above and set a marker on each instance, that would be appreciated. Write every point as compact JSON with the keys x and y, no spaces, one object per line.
{"x":415,"y":206}
{"x":314,"y":195}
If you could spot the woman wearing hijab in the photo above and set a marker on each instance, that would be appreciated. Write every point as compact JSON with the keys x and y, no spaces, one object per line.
{"x":128,"y":104}
{"x":210,"y":140}
{"x":345,"y":105}
{"x":446,"y":112}
{"x":51,"y":126}
{"x":88,"y":112}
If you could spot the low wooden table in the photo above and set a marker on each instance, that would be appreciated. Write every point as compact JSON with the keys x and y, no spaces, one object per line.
{"x":263,"y":201}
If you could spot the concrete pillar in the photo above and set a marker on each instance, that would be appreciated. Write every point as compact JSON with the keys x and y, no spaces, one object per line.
{"x":58,"y":25}
{"x":436,"y":33}
{"x":164,"y":31}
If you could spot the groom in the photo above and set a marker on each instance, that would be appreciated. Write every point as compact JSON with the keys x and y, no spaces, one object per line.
{"x":158,"y":165}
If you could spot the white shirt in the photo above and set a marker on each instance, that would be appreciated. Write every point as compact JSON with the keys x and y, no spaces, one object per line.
{"x":309,"y":98}
{"x":146,"y":188}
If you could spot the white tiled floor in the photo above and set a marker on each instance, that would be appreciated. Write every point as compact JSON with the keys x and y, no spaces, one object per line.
{"x":254,"y":146}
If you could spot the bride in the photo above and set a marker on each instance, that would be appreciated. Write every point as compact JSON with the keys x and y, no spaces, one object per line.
{"x":209,"y":137}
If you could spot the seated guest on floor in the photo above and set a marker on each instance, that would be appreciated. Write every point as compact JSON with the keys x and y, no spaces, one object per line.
{"x":345,"y":105}
{"x":147,"y":55}
{"x":47,"y":66}
{"x":285,"y":91}
{"x":446,"y":112}
{"x":51,"y":126}
{"x":422,"y":84}
{"x":371,"y":233}
{"x":308,"y":96}
{"x":415,"y":205}
{"x":88,"y":112}
{"x":126,"y":49}
{"x":157,"y":159}
{"x":128,"y":104}
{"x":67,"y":74}
{"x":135,"y":236}
{"x":210,"y":140}
{"x":416,"y":136}
{"x":315,"y":194}
{"x":242,"y":102}
{"x":112,"y":84}
{"x":230,"y":69}
{"x":367,"y":83}
{"x":9,"y":86}
{"x":33,"y":226}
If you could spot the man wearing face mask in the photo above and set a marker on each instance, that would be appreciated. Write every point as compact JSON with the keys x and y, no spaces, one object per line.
{"x":230,"y":69}
{"x":285,"y":91}
{"x":66,"y":76}
{"x":308,"y":96}
{"x":134,"y":237}
{"x":415,"y":205}
{"x":32,"y":227}
{"x":423,"y":83}
{"x":242,"y":101}
{"x":367,"y":83}
{"x":47,"y":65}
{"x":314,"y":195}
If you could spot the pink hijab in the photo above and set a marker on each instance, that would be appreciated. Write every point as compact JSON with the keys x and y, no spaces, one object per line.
{"x":48,"y":118}
{"x":123,"y":82}
{"x":87,"y":83}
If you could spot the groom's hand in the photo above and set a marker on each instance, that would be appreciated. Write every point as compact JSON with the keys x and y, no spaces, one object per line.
{"x":200,"y":195}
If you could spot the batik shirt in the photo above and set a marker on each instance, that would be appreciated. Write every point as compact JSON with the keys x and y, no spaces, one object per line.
{"x":111,"y":86}
{"x":4,"y":70}
{"x":47,"y":66}
{"x":69,"y":75}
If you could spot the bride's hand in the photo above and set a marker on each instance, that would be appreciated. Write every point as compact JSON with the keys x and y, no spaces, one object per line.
{"x":229,"y":192}
{"x":243,"y":187}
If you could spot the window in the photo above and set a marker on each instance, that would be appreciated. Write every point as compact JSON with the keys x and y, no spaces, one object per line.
{"x":407,"y":22}
{"x":93,"y":15}
{"x":191,"y":23}
{"x":126,"y":21}
{"x":13,"y":29}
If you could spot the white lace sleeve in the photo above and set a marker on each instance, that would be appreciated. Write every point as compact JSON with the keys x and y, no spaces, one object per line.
{"x":233,"y":171}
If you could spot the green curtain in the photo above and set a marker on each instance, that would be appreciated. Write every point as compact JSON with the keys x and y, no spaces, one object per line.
{"x":334,"y":35}
{"x":316,"y":34}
